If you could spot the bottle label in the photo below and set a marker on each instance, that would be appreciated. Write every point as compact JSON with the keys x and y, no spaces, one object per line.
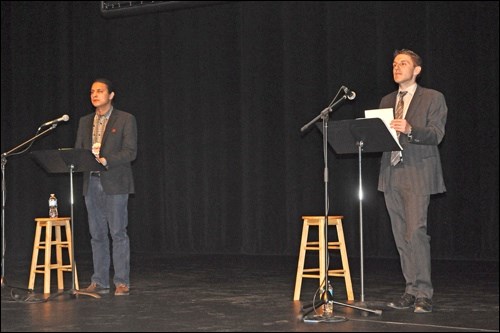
{"x":53,"y":212}
{"x":53,"y":206}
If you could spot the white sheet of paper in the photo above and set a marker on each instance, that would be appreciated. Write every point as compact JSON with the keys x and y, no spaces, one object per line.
{"x":387,"y":116}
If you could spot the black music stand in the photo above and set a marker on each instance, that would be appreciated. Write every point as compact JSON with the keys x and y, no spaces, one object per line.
{"x":369,"y":135}
{"x":69,"y":160}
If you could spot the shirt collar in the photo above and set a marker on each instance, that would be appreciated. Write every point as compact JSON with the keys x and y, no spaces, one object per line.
{"x":107,"y":114}
{"x":411,"y":89}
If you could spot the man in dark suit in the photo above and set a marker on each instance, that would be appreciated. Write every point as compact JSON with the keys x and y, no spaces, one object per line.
{"x":409,"y":177}
{"x":111,"y":134}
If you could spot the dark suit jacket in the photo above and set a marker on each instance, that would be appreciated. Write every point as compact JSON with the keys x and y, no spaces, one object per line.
{"x":118,"y":146}
{"x":426,"y":114}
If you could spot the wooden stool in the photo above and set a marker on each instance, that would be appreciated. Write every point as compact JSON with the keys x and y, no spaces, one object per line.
{"x":46,"y":267}
{"x":319,"y":273}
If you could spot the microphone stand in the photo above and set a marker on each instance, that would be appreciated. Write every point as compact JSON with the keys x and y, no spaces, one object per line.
{"x":326,"y":296}
{"x":323,"y":114}
{"x":4,"y":162}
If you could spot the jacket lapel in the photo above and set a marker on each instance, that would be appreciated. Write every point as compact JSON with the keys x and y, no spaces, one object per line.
{"x":109,"y":126}
{"x":415,"y":102}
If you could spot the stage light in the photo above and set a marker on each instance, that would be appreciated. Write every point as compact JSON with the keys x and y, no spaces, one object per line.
{"x":126,"y":8}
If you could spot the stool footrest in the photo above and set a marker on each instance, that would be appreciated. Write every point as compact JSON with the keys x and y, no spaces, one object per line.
{"x":41,"y":268}
{"x":62,"y":243}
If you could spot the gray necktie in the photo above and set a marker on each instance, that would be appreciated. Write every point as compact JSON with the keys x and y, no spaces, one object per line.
{"x":396,"y":155}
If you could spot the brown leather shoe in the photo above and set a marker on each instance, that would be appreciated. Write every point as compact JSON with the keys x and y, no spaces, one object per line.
{"x":95,"y":288}
{"x":122,"y":290}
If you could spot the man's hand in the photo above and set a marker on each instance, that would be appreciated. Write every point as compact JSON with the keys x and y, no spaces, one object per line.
{"x":96,"y":148}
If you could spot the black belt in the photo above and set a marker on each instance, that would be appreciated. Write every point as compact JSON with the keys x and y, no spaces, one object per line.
{"x":95,"y":174}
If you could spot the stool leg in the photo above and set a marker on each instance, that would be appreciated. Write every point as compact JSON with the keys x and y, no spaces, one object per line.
{"x":34,"y":258}
{"x":300,"y":266}
{"x":345,"y":262}
{"x":70,"y":250}
{"x":59,"y":246}
{"x":77,"y":286}
{"x":48,"y":247}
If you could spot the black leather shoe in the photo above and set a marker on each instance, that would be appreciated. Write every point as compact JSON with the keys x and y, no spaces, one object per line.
{"x":423,"y":305}
{"x":404,"y":302}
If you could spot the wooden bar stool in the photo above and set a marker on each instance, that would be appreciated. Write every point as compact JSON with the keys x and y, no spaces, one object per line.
{"x":47,"y":265}
{"x":319,"y":245}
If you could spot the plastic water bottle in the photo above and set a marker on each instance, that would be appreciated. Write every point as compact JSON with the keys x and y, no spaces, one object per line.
{"x":53,"y":206}
{"x":329,"y":300}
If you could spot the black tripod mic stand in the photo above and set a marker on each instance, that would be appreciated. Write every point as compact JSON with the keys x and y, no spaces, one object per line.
{"x":326,"y":297}
{"x":4,"y":188}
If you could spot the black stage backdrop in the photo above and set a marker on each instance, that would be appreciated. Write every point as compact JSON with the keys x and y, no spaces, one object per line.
{"x":221,"y":92}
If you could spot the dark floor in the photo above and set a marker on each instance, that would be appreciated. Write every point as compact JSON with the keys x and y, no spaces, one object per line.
{"x":247,"y":293}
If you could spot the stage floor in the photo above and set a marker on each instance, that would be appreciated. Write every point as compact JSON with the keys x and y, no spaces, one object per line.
{"x":250,"y":294}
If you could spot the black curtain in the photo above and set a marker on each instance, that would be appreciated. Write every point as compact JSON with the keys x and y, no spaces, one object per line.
{"x":221,"y":92}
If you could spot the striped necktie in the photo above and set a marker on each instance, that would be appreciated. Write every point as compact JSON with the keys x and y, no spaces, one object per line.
{"x":396,"y":155}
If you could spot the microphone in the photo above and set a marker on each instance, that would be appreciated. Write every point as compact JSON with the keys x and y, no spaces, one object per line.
{"x":349,"y":93}
{"x":55,"y":121}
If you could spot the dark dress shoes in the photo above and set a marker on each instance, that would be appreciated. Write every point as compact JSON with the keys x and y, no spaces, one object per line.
{"x":404,"y":302}
{"x":423,"y":305}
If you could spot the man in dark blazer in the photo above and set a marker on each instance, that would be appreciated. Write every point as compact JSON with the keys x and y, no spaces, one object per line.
{"x":409,"y":177}
{"x":111,"y":134}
